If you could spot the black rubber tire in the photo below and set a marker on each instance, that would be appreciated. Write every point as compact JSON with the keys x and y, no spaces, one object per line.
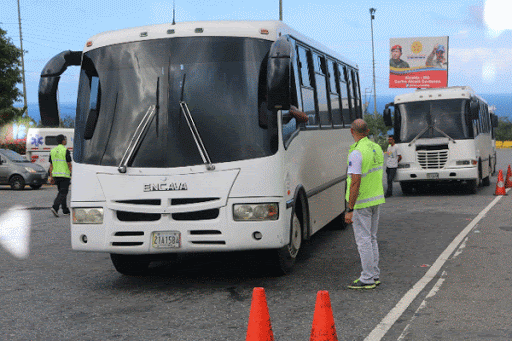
{"x":17,"y":182}
{"x":130,"y":265}
{"x":487,"y":180}
{"x":35,"y":186}
{"x":406,"y":187}
{"x":283,"y":259}
{"x":472,"y":186}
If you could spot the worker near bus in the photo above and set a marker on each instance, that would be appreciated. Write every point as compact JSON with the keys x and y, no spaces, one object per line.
{"x":392,"y":161}
{"x":60,"y":174}
{"x":365,"y":194}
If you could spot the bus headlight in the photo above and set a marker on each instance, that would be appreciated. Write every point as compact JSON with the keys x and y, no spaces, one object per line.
{"x":404,"y":165}
{"x":256,"y":212}
{"x":466,"y":162}
{"x":93,"y":215}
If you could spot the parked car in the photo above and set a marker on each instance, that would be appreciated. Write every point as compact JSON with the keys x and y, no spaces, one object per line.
{"x":17,"y":171}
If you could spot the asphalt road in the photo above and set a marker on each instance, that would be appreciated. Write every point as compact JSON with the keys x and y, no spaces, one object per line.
{"x":56,"y":293}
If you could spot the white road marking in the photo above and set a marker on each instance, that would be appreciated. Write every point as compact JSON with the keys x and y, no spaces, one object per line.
{"x":461,"y":248}
{"x":389,"y":320}
{"x":423,"y":304}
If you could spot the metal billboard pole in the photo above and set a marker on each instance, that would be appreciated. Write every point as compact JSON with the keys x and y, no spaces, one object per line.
{"x":22,"y":63}
{"x":372,"y":16}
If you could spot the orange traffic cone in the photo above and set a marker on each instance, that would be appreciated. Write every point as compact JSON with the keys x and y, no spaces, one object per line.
{"x":500,"y":185}
{"x":323,"y":321}
{"x":259,"y":328}
{"x":508,"y":182}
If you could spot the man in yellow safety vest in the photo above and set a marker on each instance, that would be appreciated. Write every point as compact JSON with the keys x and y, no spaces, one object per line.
{"x":365,"y":194}
{"x":60,"y":174}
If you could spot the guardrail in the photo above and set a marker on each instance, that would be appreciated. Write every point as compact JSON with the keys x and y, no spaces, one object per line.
{"x":503,"y":144}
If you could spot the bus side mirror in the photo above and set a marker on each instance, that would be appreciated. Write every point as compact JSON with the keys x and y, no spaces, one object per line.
{"x":387,"y":117}
{"x":279,"y":75}
{"x":473,"y":109}
{"x":494,"y":120}
{"x":49,"y":84}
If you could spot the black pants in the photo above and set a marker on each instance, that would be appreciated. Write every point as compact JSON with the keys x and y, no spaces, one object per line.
{"x":60,"y":200}
{"x":391,"y":172}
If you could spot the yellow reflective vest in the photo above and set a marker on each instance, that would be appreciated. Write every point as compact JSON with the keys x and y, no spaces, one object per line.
{"x":371,"y":191}
{"x":60,"y":166}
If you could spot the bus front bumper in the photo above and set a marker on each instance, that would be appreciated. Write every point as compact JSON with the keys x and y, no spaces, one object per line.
{"x":444,"y":174}
{"x":219,"y":234}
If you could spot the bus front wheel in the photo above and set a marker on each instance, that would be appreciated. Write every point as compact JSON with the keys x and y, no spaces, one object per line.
{"x":473,"y":186}
{"x":283,"y":259}
{"x":407,"y":187}
{"x":130,"y":265}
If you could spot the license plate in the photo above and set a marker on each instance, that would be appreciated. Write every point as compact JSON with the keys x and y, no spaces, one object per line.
{"x":166,"y":240}
{"x":432,"y":175}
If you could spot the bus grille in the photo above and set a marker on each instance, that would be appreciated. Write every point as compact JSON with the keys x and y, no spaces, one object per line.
{"x":432,"y":159}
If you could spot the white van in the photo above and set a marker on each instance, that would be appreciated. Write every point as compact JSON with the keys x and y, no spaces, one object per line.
{"x":40,"y":141}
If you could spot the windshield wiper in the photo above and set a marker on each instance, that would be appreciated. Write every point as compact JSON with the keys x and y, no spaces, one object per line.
{"x":137,"y":139}
{"x":193,"y":129}
{"x":433,"y":126}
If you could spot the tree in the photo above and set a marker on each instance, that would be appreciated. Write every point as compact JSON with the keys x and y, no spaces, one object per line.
{"x":10,"y":75}
{"x":504,"y":130}
{"x":378,"y":129}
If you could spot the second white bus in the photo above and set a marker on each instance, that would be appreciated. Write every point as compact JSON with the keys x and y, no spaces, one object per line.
{"x":443,"y":134}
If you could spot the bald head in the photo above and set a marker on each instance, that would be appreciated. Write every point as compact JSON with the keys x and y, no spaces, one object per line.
{"x":360,"y":127}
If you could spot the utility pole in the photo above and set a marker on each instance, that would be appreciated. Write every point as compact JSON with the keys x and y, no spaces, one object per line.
{"x":22,"y":63}
{"x":372,"y":16}
{"x":280,"y":10}
{"x":365,"y":101}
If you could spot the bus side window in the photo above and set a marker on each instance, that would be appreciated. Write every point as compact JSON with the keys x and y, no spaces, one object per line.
{"x":357,"y":94}
{"x":94,"y":97}
{"x":350,"y":95}
{"x":321,"y":91}
{"x":345,"y":106}
{"x":307,"y":89}
{"x":335,"y":104}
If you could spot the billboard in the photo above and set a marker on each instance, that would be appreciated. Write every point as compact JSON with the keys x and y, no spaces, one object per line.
{"x":418,"y":62}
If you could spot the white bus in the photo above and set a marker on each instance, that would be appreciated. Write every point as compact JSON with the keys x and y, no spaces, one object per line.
{"x":184,"y":142}
{"x":443,"y":134}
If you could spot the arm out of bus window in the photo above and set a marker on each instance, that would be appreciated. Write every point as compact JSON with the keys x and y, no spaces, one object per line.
{"x":295,"y":113}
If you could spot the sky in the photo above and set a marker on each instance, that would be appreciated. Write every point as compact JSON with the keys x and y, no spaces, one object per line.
{"x":480,"y":35}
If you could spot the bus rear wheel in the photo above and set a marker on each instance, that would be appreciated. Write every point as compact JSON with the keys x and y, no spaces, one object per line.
{"x":487,"y":180}
{"x":283,"y":259}
{"x":130,"y":265}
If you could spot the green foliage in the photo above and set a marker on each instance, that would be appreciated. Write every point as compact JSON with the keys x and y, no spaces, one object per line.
{"x":378,"y":130}
{"x":67,"y":122}
{"x":10,"y":75}
{"x":19,"y":146}
{"x":10,"y":114}
{"x":504,"y":130}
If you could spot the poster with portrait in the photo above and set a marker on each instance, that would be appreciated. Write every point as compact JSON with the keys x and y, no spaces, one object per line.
{"x":418,"y":62}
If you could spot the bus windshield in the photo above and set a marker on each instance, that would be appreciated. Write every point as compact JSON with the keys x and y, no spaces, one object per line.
{"x":440,"y":116}
{"x":224,"y":87}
